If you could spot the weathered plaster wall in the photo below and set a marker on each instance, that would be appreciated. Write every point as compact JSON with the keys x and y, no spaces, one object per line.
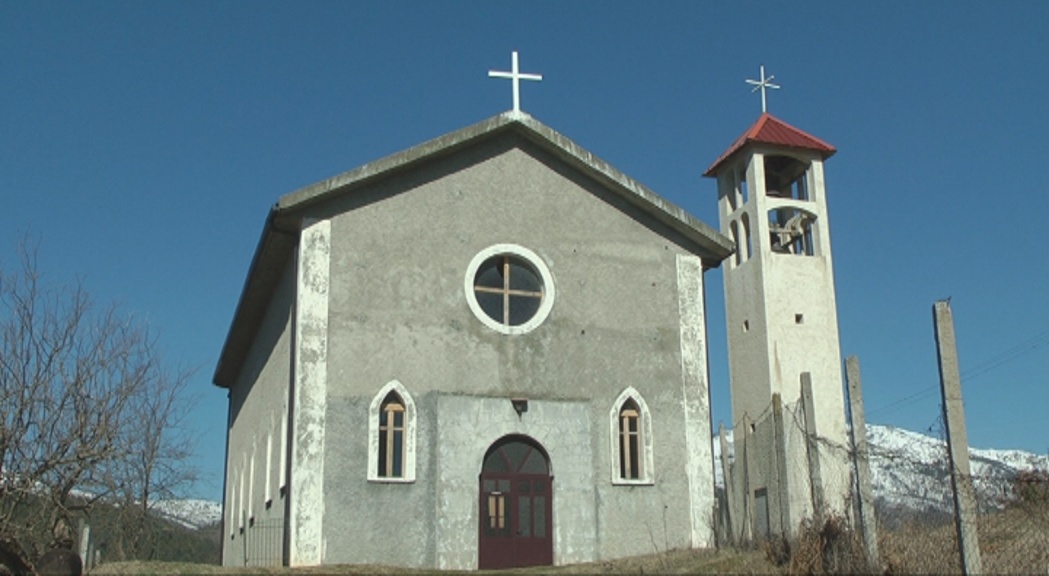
{"x":402,"y":247}
{"x":310,"y":396}
{"x":258,"y":404}
{"x":695,"y":400}
{"x":557,"y":426}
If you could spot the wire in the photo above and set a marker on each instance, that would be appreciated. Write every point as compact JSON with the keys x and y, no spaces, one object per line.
{"x":1001,"y":359}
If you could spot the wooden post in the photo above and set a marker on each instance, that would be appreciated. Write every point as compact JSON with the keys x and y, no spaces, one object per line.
{"x":812,"y":449}
{"x":861,"y":461}
{"x":957,"y":439}
{"x":726,"y":480}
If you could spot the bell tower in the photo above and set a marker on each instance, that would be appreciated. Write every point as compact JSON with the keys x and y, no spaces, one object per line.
{"x":782,"y":321}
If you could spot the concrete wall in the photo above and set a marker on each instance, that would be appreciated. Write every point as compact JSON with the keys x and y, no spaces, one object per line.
{"x":397,"y":311}
{"x":254,"y":503}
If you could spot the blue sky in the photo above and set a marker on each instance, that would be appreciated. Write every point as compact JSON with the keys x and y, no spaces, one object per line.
{"x":142,"y":144}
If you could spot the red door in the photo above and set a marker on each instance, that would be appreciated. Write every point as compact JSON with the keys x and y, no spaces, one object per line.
{"x":515,"y":506}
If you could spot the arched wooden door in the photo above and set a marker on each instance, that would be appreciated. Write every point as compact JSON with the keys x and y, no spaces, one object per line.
{"x":516,"y":500}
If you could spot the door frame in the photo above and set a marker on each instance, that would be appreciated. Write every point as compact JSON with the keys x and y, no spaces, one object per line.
{"x":515,"y":503}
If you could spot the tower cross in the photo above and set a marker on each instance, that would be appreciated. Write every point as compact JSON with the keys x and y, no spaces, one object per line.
{"x":763,"y":85}
{"x":515,"y":77}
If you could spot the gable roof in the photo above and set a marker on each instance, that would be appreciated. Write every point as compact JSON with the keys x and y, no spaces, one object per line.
{"x":281,"y":231}
{"x":771,"y":130}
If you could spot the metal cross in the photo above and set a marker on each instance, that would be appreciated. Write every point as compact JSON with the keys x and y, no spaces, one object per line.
{"x":516,"y":78}
{"x":763,"y":85}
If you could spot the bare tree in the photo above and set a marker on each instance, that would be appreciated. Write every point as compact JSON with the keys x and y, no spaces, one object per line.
{"x":84,"y":401}
{"x":158,"y":449}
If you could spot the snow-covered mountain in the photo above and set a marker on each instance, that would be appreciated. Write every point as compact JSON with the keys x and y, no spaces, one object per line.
{"x":193,"y":514}
{"x":910,"y":470}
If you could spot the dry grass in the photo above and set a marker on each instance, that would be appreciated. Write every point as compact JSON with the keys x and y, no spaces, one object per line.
{"x":829,"y":546}
{"x":1012,"y":541}
{"x":672,"y":562}
{"x":919,"y":549}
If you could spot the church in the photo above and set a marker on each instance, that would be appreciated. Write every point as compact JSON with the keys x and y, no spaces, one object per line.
{"x":490,"y":350}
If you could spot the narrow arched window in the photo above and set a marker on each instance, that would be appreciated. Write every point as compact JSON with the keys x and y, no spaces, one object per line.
{"x":391,"y":437}
{"x":630,"y":441}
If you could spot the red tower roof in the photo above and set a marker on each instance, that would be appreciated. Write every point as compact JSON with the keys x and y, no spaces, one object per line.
{"x":771,"y":130}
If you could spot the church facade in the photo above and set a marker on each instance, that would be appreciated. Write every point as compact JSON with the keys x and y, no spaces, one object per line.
{"x":488,"y":350}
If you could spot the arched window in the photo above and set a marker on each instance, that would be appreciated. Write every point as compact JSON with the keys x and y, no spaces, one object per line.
{"x":630,"y":441}
{"x":631,"y":435}
{"x":391,"y":435}
{"x":790,"y":231}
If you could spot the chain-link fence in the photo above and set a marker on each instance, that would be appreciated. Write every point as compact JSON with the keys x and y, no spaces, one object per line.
{"x":921,"y":535}
{"x":783,"y":489}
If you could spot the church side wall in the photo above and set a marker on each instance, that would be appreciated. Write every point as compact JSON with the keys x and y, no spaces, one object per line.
{"x":398,"y":312}
{"x":253,"y":513}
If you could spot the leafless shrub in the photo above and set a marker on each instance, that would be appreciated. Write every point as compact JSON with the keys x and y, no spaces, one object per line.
{"x":827,"y":546}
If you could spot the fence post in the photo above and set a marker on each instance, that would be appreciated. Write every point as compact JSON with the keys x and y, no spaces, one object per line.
{"x":861,"y":463}
{"x":812,"y":449}
{"x":726,"y":480}
{"x":780,"y":450}
{"x":957,"y":439}
{"x":746,"y":533}
{"x":85,"y":537}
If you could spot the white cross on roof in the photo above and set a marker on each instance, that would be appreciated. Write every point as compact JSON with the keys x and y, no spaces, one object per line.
{"x":516,"y":78}
{"x":763,"y":85}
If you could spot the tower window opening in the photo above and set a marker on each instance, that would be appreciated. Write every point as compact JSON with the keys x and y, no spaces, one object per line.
{"x":799,"y":318}
{"x":786,"y":177}
{"x":745,"y":220}
{"x":732,"y":194}
{"x":790,"y":231}
{"x":735,"y":239}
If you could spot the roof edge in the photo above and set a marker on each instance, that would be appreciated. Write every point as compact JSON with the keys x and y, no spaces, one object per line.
{"x":772,"y":131}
